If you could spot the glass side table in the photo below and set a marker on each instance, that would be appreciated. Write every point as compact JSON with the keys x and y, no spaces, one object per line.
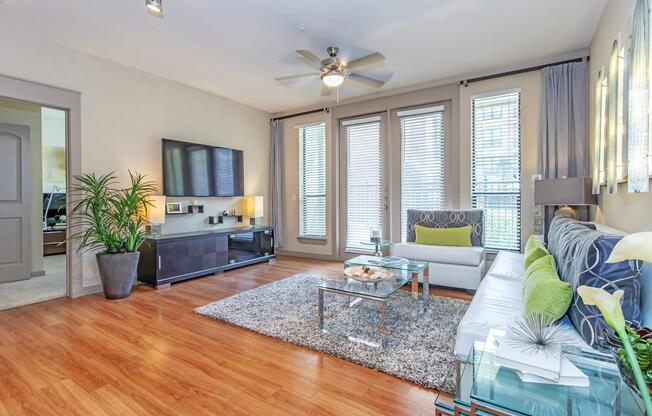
{"x":378,"y":245}
{"x":486,"y":388}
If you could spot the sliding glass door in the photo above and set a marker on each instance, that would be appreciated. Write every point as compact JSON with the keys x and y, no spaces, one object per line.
{"x":364,"y":190}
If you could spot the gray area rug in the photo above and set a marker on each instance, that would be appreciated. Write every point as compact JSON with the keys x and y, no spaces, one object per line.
{"x":419,"y":350}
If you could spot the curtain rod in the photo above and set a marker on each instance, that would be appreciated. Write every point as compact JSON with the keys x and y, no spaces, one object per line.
{"x":520,"y":71}
{"x":325,"y":109}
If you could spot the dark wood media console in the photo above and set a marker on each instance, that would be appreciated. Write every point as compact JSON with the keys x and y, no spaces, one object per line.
{"x":170,"y":258}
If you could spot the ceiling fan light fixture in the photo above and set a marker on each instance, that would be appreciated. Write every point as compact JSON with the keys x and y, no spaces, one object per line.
{"x":333,"y":79}
{"x":154,"y":6}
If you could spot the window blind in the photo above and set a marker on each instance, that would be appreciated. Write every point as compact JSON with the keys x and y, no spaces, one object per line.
{"x":422,"y":161}
{"x":496,"y":167}
{"x":312,"y":180}
{"x":364,"y":180}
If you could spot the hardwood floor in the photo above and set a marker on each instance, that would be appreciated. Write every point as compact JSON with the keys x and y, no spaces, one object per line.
{"x":150,"y":354}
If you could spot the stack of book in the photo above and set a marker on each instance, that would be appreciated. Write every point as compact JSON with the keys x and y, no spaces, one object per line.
{"x":538,"y":365}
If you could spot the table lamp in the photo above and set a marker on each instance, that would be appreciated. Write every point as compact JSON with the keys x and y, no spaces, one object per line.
{"x":564,"y":192}
{"x":576,"y":191}
{"x":254,"y":208}
{"x":156,"y":214}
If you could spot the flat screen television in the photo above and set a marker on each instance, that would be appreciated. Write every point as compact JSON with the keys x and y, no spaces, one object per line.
{"x":192,"y":169}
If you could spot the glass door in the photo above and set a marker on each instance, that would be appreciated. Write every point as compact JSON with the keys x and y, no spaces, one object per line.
{"x":364,"y":189}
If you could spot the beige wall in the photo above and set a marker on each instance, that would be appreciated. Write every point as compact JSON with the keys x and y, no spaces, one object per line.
{"x":124,"y":114}
{"x":30,"y":115}
{"x":624,"y":211}
{"x":530,"y":85}
{"x":53,"y":124}
{"x":458,"y":152}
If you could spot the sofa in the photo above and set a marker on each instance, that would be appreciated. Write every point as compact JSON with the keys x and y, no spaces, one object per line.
{"x":458,"y":267}
{"x":498,"y":301}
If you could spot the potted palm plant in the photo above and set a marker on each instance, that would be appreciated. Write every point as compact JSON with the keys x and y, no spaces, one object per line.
{"x":111,"y":221}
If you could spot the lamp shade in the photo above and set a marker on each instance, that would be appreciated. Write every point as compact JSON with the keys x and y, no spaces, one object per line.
{"x":254,"y":207}
{"x":564,"y":191}
{"x":156,"y":212}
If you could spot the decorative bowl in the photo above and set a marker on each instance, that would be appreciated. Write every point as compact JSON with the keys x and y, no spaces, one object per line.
{"x":368,"y":274}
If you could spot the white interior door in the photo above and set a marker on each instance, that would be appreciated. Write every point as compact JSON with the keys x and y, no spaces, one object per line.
{"x":15,"y":203}
{"x":364,"y":187}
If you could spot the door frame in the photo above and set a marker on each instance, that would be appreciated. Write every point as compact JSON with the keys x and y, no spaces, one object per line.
{"x":70,"y":102}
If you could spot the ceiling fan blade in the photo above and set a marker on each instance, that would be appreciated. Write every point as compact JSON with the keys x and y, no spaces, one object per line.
{"x":326,"y":90}
{"x":310,"y":58}
{"x":365,"y":81}
{"x":366,"y":60}
{"x":296,"y":77}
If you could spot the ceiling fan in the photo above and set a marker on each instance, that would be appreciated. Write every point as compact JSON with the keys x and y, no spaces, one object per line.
{"x":333,"y":70}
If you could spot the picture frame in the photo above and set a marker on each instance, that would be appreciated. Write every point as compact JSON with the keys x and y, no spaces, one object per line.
{"x":173,"y":208}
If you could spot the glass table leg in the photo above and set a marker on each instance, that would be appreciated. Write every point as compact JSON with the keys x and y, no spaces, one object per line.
{"x":320,"y":308}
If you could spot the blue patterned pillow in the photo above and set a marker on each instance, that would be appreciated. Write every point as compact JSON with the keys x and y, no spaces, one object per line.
{"x":581,"y":255}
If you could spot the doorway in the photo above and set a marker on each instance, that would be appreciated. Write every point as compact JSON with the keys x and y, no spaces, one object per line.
{"x":33,"y":221}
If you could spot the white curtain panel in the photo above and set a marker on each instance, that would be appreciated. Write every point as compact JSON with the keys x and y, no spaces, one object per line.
{"x":598,"y":135}
{"x":612,"y":120}
{"x":639,"y":100}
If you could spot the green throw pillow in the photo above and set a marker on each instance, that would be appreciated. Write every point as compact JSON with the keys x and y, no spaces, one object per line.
{"x":543,"y":292}
{"x":458,"y":237}
{"x":534,"y":250}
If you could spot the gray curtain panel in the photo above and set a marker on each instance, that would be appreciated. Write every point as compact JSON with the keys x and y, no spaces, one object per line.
{"x":564,"y":137}
{"x":276,"y":181}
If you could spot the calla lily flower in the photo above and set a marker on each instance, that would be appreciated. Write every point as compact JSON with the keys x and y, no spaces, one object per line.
{"x":633,"y":247}
{"x":607,"y":303}
{"x":609,"y":306}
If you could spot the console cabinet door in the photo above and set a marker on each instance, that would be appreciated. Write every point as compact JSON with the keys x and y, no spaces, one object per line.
{"x":177,"y":258}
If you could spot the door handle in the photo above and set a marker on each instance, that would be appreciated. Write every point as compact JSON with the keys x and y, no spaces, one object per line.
{"x":159,"y":262}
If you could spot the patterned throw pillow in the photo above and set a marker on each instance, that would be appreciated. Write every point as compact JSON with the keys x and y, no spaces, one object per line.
{"x":581,"y":255}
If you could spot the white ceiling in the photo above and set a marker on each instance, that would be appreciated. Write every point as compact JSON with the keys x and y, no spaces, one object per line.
{"x":236,"y":48}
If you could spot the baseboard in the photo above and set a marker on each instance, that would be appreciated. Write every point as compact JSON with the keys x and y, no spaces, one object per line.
{"x":89,"y":290}
{"x":37,"y":273}
{"x":313,"y":256}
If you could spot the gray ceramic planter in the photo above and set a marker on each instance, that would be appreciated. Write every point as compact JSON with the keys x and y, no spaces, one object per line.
{"x":118,"y":273}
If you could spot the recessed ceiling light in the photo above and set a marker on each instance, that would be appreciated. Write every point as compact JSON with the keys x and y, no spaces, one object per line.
{"x":155,"y":6}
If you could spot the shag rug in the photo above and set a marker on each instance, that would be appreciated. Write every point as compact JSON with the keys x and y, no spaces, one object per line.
{"x":419,"y":348}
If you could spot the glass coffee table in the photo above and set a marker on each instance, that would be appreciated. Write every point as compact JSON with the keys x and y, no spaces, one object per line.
{"x":404,"y":272}
{"x":403,"y":267}
{"x":486,"y":388}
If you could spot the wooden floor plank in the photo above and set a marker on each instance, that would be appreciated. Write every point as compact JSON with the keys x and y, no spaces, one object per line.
{"x":151,"y":354}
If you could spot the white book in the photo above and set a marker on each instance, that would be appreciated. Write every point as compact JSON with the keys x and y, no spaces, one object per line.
{"x":570,"y":375}
{"x":538,"y":363}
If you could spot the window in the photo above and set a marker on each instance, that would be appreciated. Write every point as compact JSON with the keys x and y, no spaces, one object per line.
{"x":599,"y":175}
{"x":364,"y":179}
{"x":422,"y":160}
{"x":496,"y":165}
{"x":312,"y":180}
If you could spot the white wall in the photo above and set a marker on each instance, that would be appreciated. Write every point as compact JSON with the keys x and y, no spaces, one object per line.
{"x":125,"y":113}
{"x":624,"y":211}
{"x":30,"y":115}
